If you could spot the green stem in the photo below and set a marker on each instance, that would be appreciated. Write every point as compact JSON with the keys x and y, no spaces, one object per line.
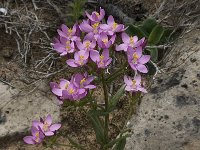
{"x":106,"y":107}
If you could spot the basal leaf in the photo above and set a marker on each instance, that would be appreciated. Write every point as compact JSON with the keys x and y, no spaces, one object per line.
{"x":156,"y":35}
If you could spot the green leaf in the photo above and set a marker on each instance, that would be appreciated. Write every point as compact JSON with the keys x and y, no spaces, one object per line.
{"x":156,"y":35}
{"x":113,"y":101}
{"x":149,"y":24}
{"x":120,"y":145}
{"x":115,"y":75}
{"x":154,"y":54}
{"x":115,"y":141}
{"x":134,"y":30}
{"x":98,"y":127}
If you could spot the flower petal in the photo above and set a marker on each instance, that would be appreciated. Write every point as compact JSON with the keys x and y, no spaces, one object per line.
{"x":142,"y":68}
{"x":144,"y":59}
{"x":29,"y":140}
{"x":71,"y":63}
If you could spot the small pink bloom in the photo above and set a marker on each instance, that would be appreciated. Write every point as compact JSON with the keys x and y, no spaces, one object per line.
{"x":68,"y":33}
{"x":129,"y":42}
{"x":95,"y":16}
{"x":87,"y":45}
{"x":137,"y":60}
{"x":36,"y":138}
{"x":46,"y":125}
{"x":112,"y":27}
{"x":64,"y":46}
{"x":102,"y":60}
{"x":74,"y":93}
{"x":83,"y":81}
{"x":104,"y":42}
{"x":80,"y":59}
{"x":134,"y":85}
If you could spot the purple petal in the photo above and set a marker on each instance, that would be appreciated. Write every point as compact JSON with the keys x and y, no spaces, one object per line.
{"x":108,"y":62}
{"x":142,"y":68}
{"x":49,"y":133}
{"x":54,"y":85}
{"x":144,"y":59}
{"x":139,"y":51}
{"x":49,"y":119}
{"x":71,"y":63}
{"x":79,"y":45}
{"x":64,"y":28}
{"x":125,"y":38}
{"x":127,"y":81}
{"x":29,"y":140}
{"x":102,"y":14}
{"x":90,"y":87}
{"x":94,"y":55}
{"x":105,"y":53}
{"x":110,"y":20}
{"x":121,"y":47}
{"x":57,"y":91}
{"x":138,"y":79}
{"x":36,"y":123}
{"x":63,"y":83}
{"x":85,"y":27}
{"x":62,"y":34}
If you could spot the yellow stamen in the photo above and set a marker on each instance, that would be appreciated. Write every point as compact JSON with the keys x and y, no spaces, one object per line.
{"x":114,"y":25}
{"x":37,"y":135}
{"x":135,"y":57}
{"x":45,"y":127}
{"x":105,"y":41}
{"x":83,"y":81}
{"x":131,"y":40}
{"x":66,"y":86}
{"x":71,"y":91}
{"x":68,"y":42}
{"x":133,"y":83}
{"x":67,"y":47}
{"x":101,"y":63}
{"x":101,"y":57}
{"x":81,"y":57}
{"x":87,"y":44}
{"x":70,"y":31}
{"x":95,"y":25}
{"x":97,"y":14}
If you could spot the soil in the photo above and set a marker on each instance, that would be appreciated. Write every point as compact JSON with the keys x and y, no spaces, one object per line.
{"x":74,"y":121}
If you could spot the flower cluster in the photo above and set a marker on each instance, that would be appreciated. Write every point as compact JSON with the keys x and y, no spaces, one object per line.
{"x":40,"y":129}
{"x":75,"y":89}
{"x":91,"y":42}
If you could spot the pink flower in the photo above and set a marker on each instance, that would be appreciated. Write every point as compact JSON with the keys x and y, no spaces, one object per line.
{"x":137,"y":60}
{"x":64,"y":46}
{"x":88,"y":43}
{"x":102,"y":60}
{"x":93,"y":28}
{"x":80,"y":59}
{"x":112,"y":27}
{"x":74,"y":93}
{"x":83,"y":81}
{"x":129,"y":42}
{"x":36,"y":138}
{"x":134,"y":85}
{"x":95,"y":16}
{"x":104,"y":42}
{"x":68,"y":33}
{"x":46,"y":125}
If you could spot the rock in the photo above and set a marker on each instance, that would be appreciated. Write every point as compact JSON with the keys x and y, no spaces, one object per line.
{"x":168,"y":117}
{"x":17,"y":112}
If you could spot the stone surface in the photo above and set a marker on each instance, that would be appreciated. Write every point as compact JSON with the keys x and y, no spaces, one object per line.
{"x":17,"y":112}
{"x":168,"y":117}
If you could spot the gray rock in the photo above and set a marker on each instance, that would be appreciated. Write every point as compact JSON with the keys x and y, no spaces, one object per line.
{"x":17,"y":112}
{"x":168,"y":117}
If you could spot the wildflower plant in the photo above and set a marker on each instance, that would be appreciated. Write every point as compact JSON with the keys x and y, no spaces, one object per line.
{"x":92,"y":45}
